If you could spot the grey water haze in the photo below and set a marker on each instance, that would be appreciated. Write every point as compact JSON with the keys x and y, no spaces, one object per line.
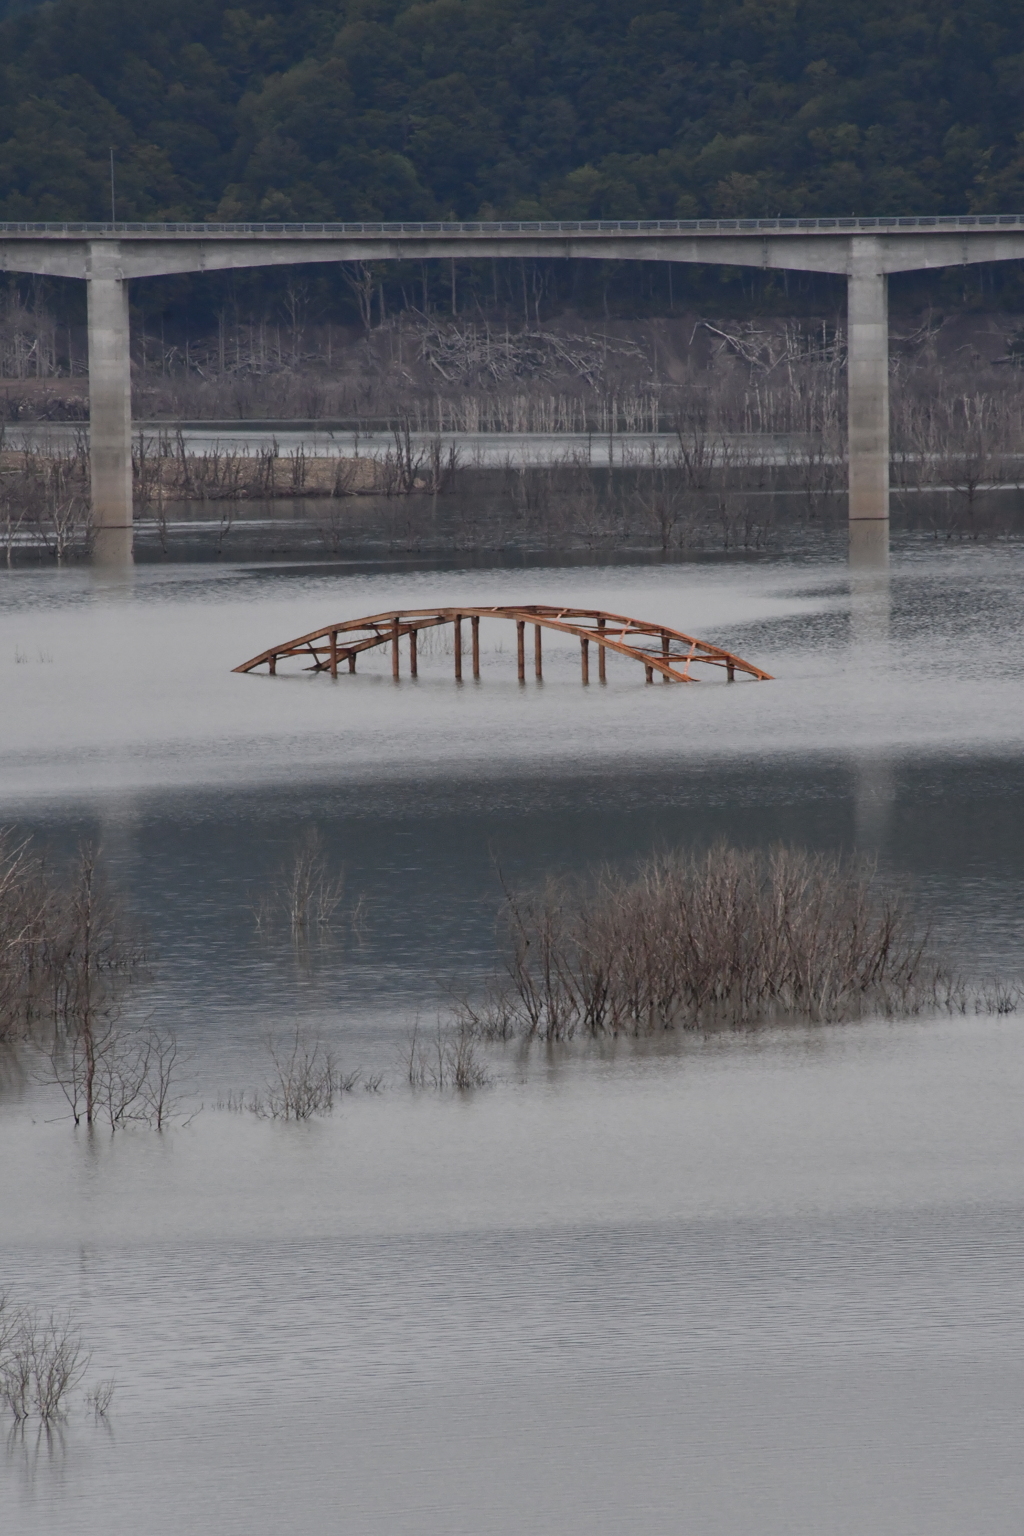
{"x":762,"y":1281}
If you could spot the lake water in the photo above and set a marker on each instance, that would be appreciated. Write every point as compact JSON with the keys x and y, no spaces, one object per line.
{"x":766,"y":1282}
{"x":492,"y":450}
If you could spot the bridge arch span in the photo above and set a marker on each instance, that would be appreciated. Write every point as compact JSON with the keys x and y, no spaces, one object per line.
{"x":657,"y":647}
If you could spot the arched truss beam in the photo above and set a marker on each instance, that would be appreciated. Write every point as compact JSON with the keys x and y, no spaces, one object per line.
{"x":658,"y":647}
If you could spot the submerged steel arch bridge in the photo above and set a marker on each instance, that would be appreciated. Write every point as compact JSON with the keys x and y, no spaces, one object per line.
{"x":658,"y":647}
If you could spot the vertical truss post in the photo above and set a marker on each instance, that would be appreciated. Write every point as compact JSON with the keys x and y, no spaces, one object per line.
{"x":394,"y":649}
{"x":585,"y":658}
{"x":537,"y":667}
{"x":334,"y":653}
{"x":412,"y":653}
{"x":664,"y":651}
{"x":458,"y":647}
{"x":601,"y":658}
{"x":474,"y":625}
{"x":521,"y":649}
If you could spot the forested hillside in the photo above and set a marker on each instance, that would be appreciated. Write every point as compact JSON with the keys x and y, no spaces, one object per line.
{"x":357,"y":109}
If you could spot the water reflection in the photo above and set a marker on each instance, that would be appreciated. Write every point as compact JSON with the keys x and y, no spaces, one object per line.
{"x":870,"y":658}
{"x":869,"y":547}
{"x":874,"y":797}
{"x":870,"y":614}
{"x":35,"y":1450}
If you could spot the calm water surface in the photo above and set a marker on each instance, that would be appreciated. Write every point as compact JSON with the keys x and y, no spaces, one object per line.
{"x":762,"y":1283}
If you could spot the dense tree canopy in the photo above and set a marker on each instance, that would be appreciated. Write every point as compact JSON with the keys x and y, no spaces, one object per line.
{"x":283,"y":109}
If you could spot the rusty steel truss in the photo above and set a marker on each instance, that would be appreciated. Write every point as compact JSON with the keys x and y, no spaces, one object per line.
{"x":657,"y":647}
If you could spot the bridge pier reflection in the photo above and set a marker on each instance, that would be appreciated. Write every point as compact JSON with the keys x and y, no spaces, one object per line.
{"x":874,"y":774}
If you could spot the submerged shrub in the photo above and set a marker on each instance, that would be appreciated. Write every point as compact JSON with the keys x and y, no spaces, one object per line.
{"x":306,"y":894}
{"x":304,"y":1082}
{"x":446,"y":1059}
{"x":727,"y":937}
{"x":99,"y":1398}
{"x":68,"y":957}
{"x":41,"y":1361}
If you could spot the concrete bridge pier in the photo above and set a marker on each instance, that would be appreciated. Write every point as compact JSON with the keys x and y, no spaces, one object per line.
{"x":110,"y":405}
{"x":867,"y":377}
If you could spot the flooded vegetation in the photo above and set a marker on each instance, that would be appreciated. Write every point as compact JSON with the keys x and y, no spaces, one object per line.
{"x":727,"y":938}
{"x":421,"y":1021}
{"x":42,"y":1361}
{"x":69,"y":957}
{"x":428,"y":433}
{"x":69,"y":961}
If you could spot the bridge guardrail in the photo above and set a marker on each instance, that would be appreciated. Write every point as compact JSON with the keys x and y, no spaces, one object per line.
{"x":938,"y":222}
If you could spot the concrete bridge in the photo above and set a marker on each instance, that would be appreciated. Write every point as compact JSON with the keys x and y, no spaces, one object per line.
{"x":864,"y":251}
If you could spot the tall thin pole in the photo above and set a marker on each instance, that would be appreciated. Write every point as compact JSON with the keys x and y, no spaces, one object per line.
{"x":113,"y":198}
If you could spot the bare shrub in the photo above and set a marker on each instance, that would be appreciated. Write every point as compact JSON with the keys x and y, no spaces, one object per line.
{"x":158,"y":1094}
{"x":406,"y":466}
{"x":683,"y":495}
{"x":729,"y":937}
{"x":99,"y":1398}
{"x":92,"y":955}
{"x":312,"y":894}
{"x":68,"y":960}
{"x":120,"y":1076}
{"x":42,"y":1360}
{"x":10,"y":1323}
{"x":68,"y":956}
{"x":164,"y":469}
{"x":956,"y":442}
{"x":305,"y":1081}
{"x":306,"y":897}
{"x":44,"y":500}
{"x":664,"y":499}
{"x":998,"y":997}
{"x":93,"y":960}
{"x":27,"y":919}
{"x":307,"y":893}
{"x":446,"y":1059}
